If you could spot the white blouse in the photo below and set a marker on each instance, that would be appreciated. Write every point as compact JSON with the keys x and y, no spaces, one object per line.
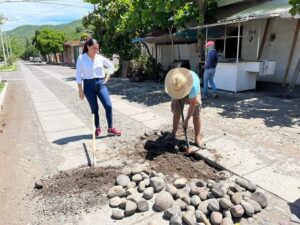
{"x":87,"y":69}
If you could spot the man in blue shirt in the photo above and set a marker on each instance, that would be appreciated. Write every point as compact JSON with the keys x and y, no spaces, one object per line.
{"x":183,"y":85}
{"x":210,"y":69}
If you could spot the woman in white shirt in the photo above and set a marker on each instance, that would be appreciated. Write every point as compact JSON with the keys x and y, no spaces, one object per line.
{"x":90,"y":69}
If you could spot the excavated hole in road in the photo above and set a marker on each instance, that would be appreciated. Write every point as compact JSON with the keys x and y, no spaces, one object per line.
{"x":78,"y":191}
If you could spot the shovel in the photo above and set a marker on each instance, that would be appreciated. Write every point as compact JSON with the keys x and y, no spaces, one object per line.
{"x":188,"y":150}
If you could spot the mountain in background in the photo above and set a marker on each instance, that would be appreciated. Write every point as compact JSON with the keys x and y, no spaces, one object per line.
{"x":26,"y":32}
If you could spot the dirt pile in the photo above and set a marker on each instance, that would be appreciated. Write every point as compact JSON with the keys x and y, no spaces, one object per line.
{"x":167,"y":156}
{"x":76,"y":191}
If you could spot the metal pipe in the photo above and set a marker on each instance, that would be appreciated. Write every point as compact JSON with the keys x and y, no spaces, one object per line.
{"x":258,"y":40}
{"x":238,"y":44}
{"x":206,"y":37}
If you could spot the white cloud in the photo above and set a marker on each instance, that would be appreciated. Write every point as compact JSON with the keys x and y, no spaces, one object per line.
{"x":38,"y":13}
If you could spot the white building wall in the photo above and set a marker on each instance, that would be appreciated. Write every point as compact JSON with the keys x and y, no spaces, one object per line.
{"x":278,"y":50}
{"x":183,"y":51}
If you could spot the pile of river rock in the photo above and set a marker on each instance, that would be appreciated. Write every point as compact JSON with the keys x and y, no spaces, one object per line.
{"x":182,"y":201}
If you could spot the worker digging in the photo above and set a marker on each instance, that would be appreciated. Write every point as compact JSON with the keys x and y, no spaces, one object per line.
{"x":183,"y":85}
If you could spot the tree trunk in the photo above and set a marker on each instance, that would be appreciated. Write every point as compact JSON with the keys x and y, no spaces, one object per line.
{"x":200,"y":37}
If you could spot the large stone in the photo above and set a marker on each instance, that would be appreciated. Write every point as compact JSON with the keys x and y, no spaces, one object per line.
{"x":115,"y":202}
{"x":148,"y":193}
{"x":225,"y":203}
{"x":226,"y":213}
{"x":181,"y":204}
{"x":141,"y":186}
{"x":236,"y":198}
{"x":196,"y":190}
{"x":122,"y":204}
{"x":204,"y":195}
{"x":122,"y":180}
{"x":235,"y":188}
{"x":38,"y":184}
{"x":157,"y":183}
{"x":260,"y":198}
{"x":249,"y":209}
{"x":171,"y":211}
{"x":130,"y":208}
{"x":211,"y":183}
{"x":144,"y":175}
{"x":131,"y":184}
{"x":214,"y":205}
{"x":137,"y":178}
{"x":180,"y":182}
{"x":294,"y":218}
{"x":189,"y":218}
{"x":176,"y":220}
{"x":143,"y":206}
{"x":216,"y":218}
{"x":131,"y":191}
{"x":227,"y":221}
{"x":134,"y":198}
{"x":218,"y":192}
{"x":163,"y":201}
{"x":171,"y":189}
{"x":195,"y":200}
{"x":117,"y":214}
{"x":116,"y":191}
{"x":203,"y":207}
{"x":255,"y":205}
{"x":190,"y":208}
{"x":246,"y":184}
{"x":237,"y":211}
{"x":147,"y":182}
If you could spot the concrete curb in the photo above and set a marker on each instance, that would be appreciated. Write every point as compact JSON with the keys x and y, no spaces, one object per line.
{"x":3,"y":94}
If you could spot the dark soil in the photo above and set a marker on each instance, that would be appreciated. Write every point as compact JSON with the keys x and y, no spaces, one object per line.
{"x":167,"y":156}
{"x":76,"y":191}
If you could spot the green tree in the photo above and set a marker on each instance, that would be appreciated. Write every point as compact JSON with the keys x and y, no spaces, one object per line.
{"x":295,"y":7}
{"x":84,"y":36}
{"x":49,"y":41}
{"x":30,"y":51}
{"x":104,"y":22}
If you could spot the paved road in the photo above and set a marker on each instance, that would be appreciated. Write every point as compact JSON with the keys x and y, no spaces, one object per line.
{"x":265,"y":130}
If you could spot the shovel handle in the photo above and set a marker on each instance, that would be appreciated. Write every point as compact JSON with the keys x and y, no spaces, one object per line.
{"x":182,"y":116}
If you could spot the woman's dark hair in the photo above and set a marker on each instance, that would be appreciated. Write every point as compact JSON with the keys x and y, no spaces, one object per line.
{"x":88,"y":42}
{"x":186,"y":65}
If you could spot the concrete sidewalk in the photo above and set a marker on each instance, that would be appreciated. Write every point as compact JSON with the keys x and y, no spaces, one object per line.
{"x":273,"y":171}
{"x":71,"y":139}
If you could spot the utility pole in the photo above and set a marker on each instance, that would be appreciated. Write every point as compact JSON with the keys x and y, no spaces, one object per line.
{"x":6,"y":43}
{"x":3,"y":49}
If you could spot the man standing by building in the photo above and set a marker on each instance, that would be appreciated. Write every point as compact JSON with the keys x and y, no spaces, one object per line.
{"x":210,"y":69}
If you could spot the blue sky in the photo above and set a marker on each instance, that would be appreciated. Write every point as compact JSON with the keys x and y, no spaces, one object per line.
{"x":23,"y":13}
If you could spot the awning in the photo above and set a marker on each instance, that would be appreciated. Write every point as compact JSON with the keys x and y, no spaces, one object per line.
{"x":269,"y":9}
{"x":181,"y":37}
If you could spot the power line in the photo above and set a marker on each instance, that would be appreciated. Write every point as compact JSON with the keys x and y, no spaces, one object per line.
{"x":43,"y":2}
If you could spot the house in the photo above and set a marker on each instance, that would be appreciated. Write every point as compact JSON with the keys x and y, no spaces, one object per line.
{"x":72,"y":50}
{"x":256,"y":41}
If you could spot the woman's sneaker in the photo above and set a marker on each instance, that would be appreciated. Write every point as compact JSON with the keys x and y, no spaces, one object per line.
{"x":98,"y":132}
{"x":114,"y":131}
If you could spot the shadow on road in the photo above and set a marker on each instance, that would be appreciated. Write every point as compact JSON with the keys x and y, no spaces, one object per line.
{"x":66,"y":140}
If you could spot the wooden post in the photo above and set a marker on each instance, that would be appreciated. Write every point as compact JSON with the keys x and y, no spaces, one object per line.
{"x":287,"y":70}
{"x":261,"y":48}
{"x":94,"y":140}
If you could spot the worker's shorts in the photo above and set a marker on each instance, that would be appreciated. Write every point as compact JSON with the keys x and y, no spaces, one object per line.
{"x":176,"y":108}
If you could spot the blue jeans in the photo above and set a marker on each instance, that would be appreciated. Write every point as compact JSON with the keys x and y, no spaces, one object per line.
{"x":209,"y":75}
{"x":92,"y":89}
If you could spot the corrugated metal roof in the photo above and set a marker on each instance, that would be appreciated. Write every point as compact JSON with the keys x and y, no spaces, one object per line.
{"x":222,"y":3}
{"x":264,"y":10}
{"x":275,"y":8}
{"x":73,"y":43}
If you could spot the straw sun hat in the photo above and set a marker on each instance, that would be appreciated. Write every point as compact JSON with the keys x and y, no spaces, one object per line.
{"x":178,"y":83}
